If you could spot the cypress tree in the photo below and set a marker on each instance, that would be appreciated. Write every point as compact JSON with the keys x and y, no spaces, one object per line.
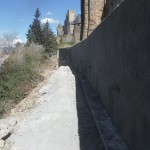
{"x":41,"y":34}
{"x":49,"y":43}
{"x":35,"y":34}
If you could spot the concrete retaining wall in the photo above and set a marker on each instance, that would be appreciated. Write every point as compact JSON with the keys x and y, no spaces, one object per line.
{"x":116,"y":60}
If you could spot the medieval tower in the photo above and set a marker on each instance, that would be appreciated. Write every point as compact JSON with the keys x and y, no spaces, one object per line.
{"x":68,"y":26}
{"x":70,"y":31}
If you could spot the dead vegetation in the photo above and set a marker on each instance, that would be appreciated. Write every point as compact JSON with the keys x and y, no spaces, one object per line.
{"x":20,"y":73}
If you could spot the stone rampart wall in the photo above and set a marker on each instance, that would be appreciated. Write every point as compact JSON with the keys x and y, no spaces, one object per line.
{"x":67,"y":38}
{"x":93,"y":12}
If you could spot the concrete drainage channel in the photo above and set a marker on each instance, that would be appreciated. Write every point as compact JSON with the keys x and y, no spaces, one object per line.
{"x":109,"y":135}
{"x":89,"y":137}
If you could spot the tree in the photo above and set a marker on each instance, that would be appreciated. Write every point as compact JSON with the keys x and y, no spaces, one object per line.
{"x":35,"y":34}
{"x":7,"y":40}
{"x":18,"y":44}
{"x":30,"y":36}
{"x":49,"y":38}
{"x":41,"y":34}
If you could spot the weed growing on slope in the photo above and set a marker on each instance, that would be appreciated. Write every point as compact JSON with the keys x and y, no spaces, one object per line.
{"x":19,"y":74}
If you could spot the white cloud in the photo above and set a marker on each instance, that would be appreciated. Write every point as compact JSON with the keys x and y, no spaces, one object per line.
{"x":17,"y":40}
{"x":50,"y":20}
{"x":49,"y":13}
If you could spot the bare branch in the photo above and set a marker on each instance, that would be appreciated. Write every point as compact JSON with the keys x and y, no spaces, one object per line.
{"x":7,"y":39}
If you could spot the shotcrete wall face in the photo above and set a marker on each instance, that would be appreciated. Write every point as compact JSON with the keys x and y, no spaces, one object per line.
{"x":115,"y":59}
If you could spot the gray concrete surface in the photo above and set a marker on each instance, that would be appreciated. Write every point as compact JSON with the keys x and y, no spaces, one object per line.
{"x":60,"y":121}
{"x":111,"y":139}
{"x":115,"y":59}
{"x":53,"y":124}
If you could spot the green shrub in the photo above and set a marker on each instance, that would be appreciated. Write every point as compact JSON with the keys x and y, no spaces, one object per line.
{"x":19,"y":74}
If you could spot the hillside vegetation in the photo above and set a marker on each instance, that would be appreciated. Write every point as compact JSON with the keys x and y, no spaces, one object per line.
{"x":19,"y":74}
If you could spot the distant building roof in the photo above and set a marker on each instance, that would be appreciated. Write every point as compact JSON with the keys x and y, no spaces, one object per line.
{"x":59,"y":25}
{"x":77,"y":20}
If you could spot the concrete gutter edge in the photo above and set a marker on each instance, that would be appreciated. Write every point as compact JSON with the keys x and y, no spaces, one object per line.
{"x":108,"y":132}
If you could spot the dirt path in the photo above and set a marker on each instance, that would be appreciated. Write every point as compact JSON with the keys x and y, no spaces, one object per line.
{"x":59,"y":120}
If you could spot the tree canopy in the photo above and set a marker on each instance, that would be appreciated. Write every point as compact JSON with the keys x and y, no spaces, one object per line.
{"x":49,"y":38}
{"x":41,"y":34}
{"x":7,"y":40}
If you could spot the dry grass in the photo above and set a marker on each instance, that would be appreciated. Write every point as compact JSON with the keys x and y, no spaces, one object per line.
{"x":19,"y":74}
{"x":65,"y":44}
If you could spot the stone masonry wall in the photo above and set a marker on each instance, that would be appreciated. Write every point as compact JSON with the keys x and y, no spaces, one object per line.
{"x":67,"y":38}
{"x":71,"y":30}
{"x":93,"y":12}
{"x":77,"y":30}
{"x":84,"y":18}
{"x":70,"y":16}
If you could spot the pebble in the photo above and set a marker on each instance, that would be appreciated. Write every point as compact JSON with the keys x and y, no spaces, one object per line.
{"x":12,"y":122}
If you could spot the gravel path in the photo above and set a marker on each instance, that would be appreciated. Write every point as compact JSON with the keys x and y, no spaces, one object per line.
{"x":60,"y":121}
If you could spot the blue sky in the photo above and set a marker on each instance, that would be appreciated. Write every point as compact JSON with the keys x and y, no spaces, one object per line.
{"x":17,"y":15}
